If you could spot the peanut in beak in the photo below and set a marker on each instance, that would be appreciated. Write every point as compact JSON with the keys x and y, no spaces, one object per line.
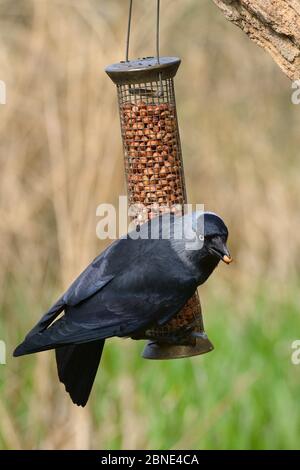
{"x":227,"y":259}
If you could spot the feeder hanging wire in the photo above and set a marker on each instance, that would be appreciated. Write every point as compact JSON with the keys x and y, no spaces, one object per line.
{"x":129,"y":30}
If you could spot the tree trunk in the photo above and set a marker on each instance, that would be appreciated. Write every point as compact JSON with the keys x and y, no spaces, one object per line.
{"x":272,"y":24}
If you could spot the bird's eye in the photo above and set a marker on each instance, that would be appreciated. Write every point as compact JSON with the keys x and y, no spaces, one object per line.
{"x":201,"y":238}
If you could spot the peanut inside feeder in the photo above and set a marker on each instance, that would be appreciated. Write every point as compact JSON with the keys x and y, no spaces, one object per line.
{"x":155,"y":180}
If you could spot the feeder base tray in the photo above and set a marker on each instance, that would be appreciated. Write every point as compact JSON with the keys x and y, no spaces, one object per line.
{"x":158,"y":350}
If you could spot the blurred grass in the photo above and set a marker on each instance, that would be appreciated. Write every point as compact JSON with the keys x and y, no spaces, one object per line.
{"x":60,"y":156}
{"x":243,"y":395}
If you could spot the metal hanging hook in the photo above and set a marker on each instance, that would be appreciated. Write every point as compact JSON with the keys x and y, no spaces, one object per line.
{"x":157,"y":30}
{"x":129,"y":29}
{"x":159,"y":93}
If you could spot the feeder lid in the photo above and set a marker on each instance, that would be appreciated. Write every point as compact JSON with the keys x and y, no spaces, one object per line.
{"x":143,"y":70}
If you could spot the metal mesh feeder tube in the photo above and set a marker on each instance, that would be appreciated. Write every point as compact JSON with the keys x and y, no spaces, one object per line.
{"x":155,"y":180}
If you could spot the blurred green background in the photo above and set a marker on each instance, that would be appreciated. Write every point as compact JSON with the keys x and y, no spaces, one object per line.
{"x":60,"y":156}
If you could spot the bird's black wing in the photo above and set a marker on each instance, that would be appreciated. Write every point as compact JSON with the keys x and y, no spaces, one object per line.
{"x":132,"y":285}
{"x":97,"y":275}
{"x":105,"y":267}
{"x":126,"y":253}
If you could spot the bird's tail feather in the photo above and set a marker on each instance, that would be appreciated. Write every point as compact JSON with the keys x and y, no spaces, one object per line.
{"x":77,"y":367}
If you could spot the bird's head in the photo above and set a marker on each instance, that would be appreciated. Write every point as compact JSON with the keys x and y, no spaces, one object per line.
{"x":213,"y":233}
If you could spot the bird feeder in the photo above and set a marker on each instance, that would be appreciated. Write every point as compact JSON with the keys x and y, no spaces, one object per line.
{"x":155,"y":178}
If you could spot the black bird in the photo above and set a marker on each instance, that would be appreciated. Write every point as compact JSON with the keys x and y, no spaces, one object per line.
{"x":139,"y":281}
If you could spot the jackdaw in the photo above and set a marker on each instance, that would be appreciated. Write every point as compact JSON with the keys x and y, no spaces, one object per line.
{"x":140,"y":281}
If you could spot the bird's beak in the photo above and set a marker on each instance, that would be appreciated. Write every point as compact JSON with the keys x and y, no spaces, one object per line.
{"x":226,"y":255}
{"x":220,"y":249}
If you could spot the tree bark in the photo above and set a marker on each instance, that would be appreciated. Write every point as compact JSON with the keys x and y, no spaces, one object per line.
{"x":272,"y":24}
